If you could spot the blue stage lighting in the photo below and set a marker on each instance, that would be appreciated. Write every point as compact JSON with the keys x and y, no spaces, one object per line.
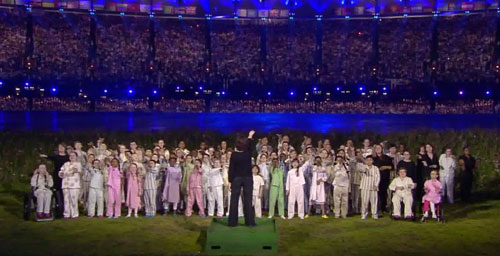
{"x":435,"y":93}
{"x":246,"y":93}
{"x":292,"y":93}
{"x":130,"y":91}
{"x":384,"y":88}
{"x":105,"y":90}
{"x":53,"y":90}
{"x":338,"y":88}
{"x":488,"y":92}
{"x":460,"y":92}
{"x":361,"y":88}
{"x":155,"y":91}
{"x":268,"y":93}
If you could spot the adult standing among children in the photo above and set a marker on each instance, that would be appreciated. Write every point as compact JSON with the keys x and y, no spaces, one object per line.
{"x":240,"y":176}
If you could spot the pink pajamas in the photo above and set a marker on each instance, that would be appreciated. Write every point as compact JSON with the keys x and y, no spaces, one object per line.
{"x":114,"y":202}
{"x":114,"y":192}
{"x":194,"y":194}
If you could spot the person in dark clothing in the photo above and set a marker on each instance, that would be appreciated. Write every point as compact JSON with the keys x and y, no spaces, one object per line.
{"x":240,"y":176}
{"x":385,"y":166}
{"x":468,"y":166}
{"x":408,"y":165}
{"x":430,"y":161}
{"x":419,"y":174}
{"x":58,"y":159}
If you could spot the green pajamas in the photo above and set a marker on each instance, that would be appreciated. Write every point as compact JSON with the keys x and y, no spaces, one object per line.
{"x":276,"y":192}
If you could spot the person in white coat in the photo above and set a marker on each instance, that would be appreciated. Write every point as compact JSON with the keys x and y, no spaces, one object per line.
{"x":447,"y":166}
{"x":41,"y":184}
{"x":96,"y":189}
{"x":402,"y":187}
{"x":295,"y":189}
{"x":70,"y":174}
{"x":317,"y":194}
{"x":258,"y":187}
{"x":215,"y":195}
{"x":341,"y":182}
{"x":370,"y":180}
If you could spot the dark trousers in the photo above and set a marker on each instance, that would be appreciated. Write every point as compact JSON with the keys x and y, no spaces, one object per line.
{"x":236,"y":185}
{"x":382,"y":191}
{"x":466,"y":186}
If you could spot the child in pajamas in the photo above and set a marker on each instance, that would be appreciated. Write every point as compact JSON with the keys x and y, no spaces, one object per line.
{"x":172,"y":188}
{"x":114,"y":189}
{"x":258,"y":187}
{"x":96,"y":189}
{"x":70,"y":175}
{"x":264,"y":173}
{"x":357,"y":164}
{"x":41,"y":184}
{"x":370,"y":180}
{"x":295,"y":189}
{"x":215,"y":195}
{"x":340,"y":183}
{"x":317,"y":195}
{"x":402,"y":187}
{"x":150,"y":188}
{"x":134,"y":191}
{"x":276,"y":192}
{"x":194,"y":190}
{"x":432,"y":195}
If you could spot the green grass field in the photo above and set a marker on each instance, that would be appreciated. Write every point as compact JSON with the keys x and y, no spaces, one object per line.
{"x":470,"y":230}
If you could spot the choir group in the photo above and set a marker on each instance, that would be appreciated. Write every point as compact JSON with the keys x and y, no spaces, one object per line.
{"x":373,"y":178}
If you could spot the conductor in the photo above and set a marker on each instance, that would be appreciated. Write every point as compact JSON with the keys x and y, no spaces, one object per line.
{"x":240,"y":176}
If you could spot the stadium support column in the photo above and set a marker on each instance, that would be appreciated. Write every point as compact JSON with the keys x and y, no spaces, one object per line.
{"x":434,"y":58}
{"x":29,"y":49}
{"x":92,"y":58}
{"x":151,"y":55}
{"x":208,"y":61}
{"x":318,"y":56}
{"x":263,"y":53}
{"x":374,"y":60}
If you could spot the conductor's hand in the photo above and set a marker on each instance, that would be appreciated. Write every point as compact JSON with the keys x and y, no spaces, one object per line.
{"x":251,"y":133}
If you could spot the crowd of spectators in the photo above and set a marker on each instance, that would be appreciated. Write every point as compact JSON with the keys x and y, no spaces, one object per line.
{"x":404,"y":106}
{"x":124,"y":49}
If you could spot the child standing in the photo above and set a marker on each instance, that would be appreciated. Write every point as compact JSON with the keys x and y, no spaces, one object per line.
{"x":258,"y":187}
{"x":70,"y":175}
{"x":432,"y":195}
{"x":215,"y":195}
{"x":370,"y":180}
{"x":134,"y":192}
{"x":171,"y":190}
{"x":41,"y":183}
{"x":150,"y":188}
{"x":356,"y":166}
{"x":402,"y":187}
{"x":194,"y":190}
{"x":340,"y":188}
{"x":96,"y":189}
{"x":317,"y":194}
{"x":295,"y":189}
{"x":114,"y":189}
{"x":276,"y":192}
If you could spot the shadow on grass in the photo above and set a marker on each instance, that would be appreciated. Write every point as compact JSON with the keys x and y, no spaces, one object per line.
{"x":463,"y":210}
{"x":202,"y":240}
{"x":12,"y":205}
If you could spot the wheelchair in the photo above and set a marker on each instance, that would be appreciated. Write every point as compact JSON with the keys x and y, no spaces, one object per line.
{"x":413,"y":208}
{"x":56,"y":208}
{"x":439,"y":214}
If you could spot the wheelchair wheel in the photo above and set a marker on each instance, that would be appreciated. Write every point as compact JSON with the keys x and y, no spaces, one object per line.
{"x":27,"y":206}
